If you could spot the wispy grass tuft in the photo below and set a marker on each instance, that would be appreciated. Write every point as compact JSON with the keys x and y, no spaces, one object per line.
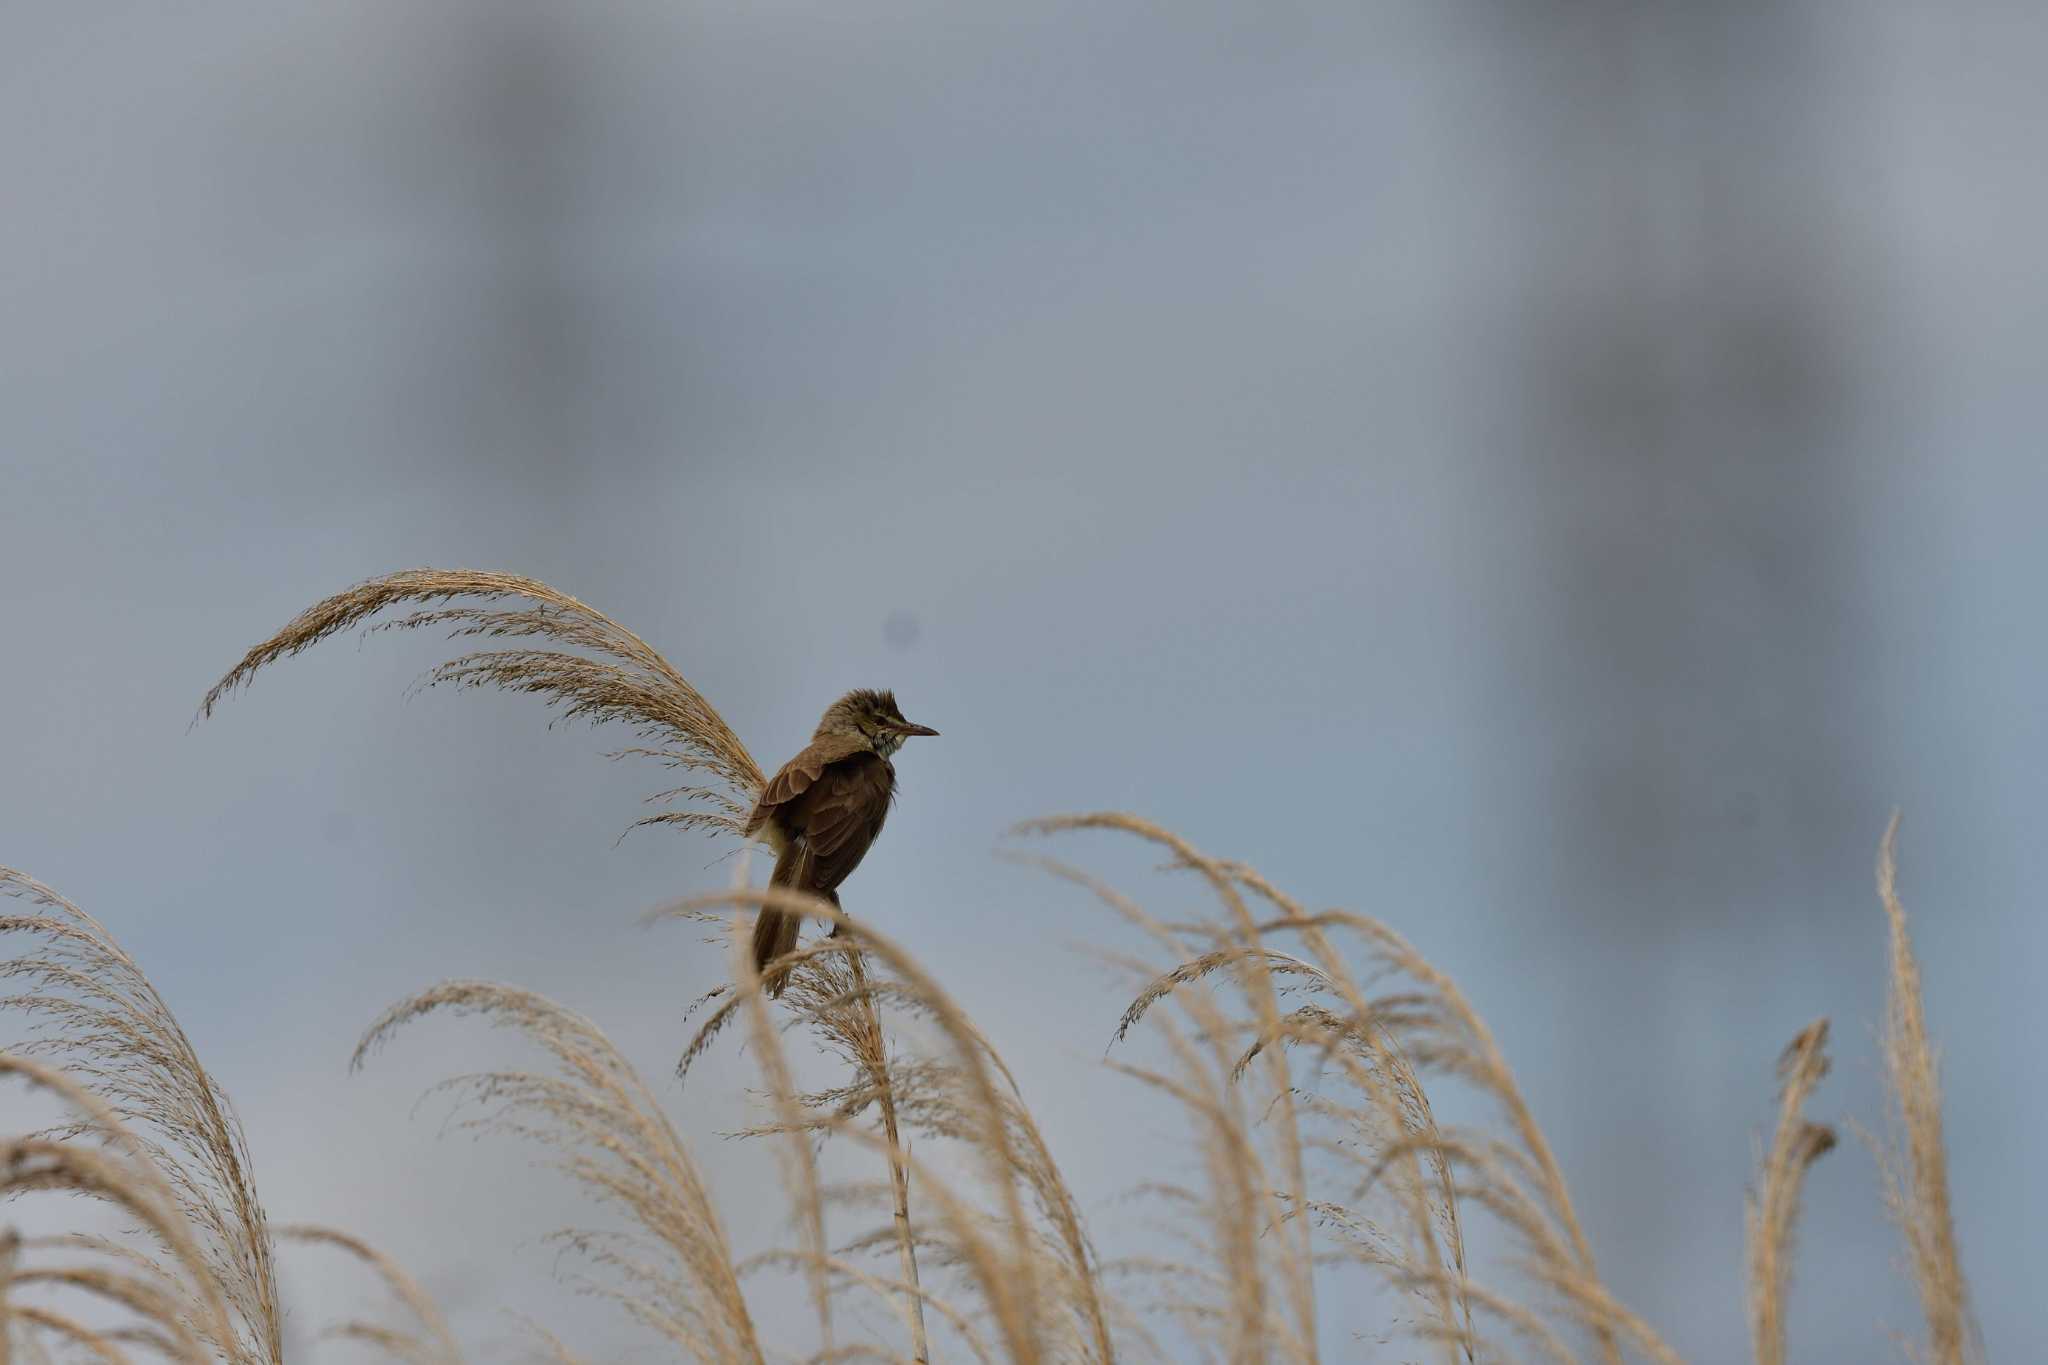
{"x":1915,"y":1165}
{"x":600,"y":672}
{"x":97,"y":1016}
{"x":1012,"y":1237}
{"x":605,"y":1130}
{"x":1773,"y":1209}
{"x":1323,"y":1157}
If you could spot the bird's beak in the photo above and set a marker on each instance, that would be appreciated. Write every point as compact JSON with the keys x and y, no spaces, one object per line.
{"x":906,"y":728}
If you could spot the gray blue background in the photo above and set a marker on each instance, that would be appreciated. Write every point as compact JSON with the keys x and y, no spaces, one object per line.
{"x":1554,"y":475}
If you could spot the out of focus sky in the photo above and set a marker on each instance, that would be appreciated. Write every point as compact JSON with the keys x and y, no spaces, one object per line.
{"x":1553,"y":475}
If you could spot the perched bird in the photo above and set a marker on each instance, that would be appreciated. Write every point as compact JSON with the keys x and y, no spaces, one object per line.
{"x":823,"y":809}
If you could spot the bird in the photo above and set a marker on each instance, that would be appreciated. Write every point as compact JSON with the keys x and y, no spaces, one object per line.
{"x":822,"y":810}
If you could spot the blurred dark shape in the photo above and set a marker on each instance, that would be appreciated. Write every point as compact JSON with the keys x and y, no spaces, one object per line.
{"x":901,"y":629}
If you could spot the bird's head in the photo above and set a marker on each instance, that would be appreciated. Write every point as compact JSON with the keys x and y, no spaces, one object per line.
{"x":873,"y":716}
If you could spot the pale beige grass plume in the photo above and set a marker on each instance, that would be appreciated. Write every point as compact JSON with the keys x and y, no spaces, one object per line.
{"x":147,"y":1132}
{"x":1383,"y":1141}
{"x":1773,"y":1210}
{"x":604,"y":1129}
{"x":107,"y":1027}
{"x":628,"y":681}
{"x":1012,"y":1235}
{"x":1915,"y":1163}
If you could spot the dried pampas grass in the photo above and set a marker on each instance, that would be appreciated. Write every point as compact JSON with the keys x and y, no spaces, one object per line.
{"x":1013,"y":1235}
{"x":1915,"y":1163}
{"x":1303,"y":1055}
{"x":1773,"y":1208}
{"x":1368,"y":1134}
{"x":601,"y":672}
{"x":101,"y":1021}
{"x":603,"y":1128}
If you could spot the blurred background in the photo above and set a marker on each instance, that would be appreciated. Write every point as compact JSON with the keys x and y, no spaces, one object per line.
{"x":1553,"y":475}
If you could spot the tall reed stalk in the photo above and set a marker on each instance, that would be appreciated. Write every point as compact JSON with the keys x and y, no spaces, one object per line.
{"x":873,"y":1047}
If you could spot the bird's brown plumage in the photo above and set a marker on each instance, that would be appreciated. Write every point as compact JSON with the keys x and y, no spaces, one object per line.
{"x":823,"y":809}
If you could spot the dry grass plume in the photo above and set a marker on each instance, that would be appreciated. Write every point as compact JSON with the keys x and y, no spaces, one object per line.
{"x":599,"y":672}
{"x":1773,"y":1210}
{"x":96,"y":1016}
{"x":1915,"y":1164}
{"x":604,"y":1129}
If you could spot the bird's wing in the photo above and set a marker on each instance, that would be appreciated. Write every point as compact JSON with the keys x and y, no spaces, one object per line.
{"x":841,"y":814}
{"x":799,"y":773}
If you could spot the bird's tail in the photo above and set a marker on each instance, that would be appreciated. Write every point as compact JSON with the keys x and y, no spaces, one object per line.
{"x":775,"y":930}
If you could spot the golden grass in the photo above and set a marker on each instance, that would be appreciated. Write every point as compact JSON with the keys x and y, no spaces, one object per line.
{"x":1381,"y":1138}
{"x":118,"y":1042}
{"x":602,"y":672}
{"x":1773,"y":1211}
{"x":607,"y":1133}
{"x":1303,"y":1055}
{"x":1916,"y":1165}
{"x":1342,"y":1047}
{"x":1016,"y":1237}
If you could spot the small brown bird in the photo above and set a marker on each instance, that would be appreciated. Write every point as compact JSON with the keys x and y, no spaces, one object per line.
{"x":825,"y":807}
